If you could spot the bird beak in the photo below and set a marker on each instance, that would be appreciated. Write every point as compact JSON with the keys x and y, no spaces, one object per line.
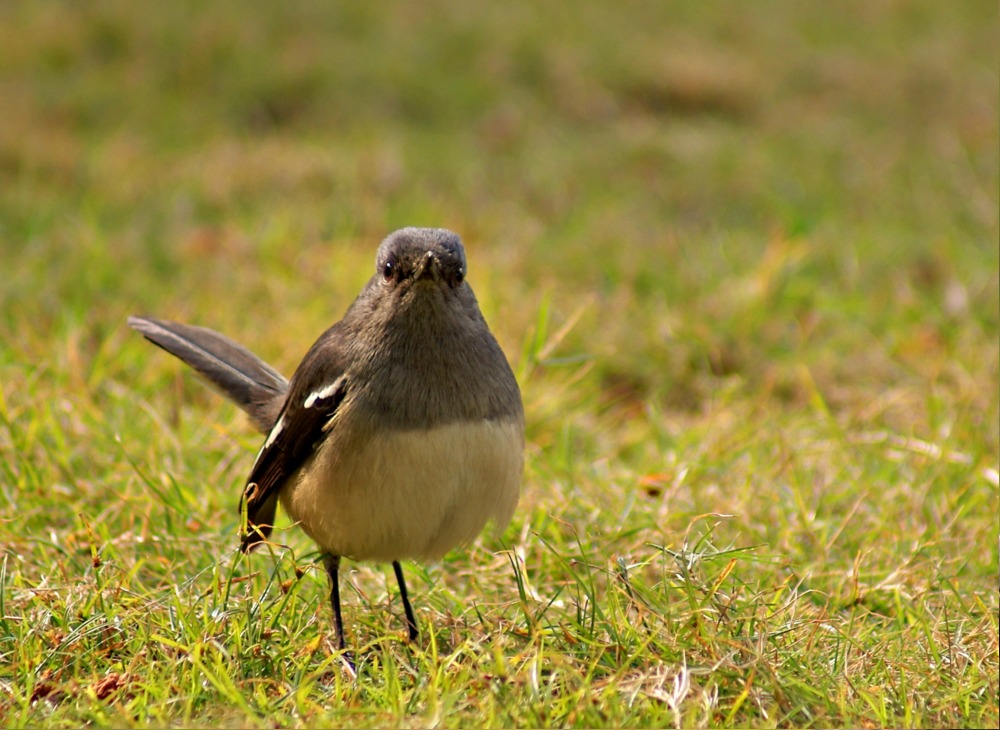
{"x":429,"y":267}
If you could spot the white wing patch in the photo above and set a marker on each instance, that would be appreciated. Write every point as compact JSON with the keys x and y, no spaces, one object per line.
{"x":271,"y":438}
{"x":275,"y":432}
{"x":323,"y":393}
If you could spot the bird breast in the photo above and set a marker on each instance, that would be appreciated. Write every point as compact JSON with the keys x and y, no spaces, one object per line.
{"x":390,"y":494}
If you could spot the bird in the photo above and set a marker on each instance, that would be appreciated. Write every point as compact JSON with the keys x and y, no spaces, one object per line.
{"x":399,"y":436}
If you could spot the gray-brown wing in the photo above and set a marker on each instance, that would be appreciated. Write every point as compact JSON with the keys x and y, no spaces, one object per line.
{"x":316,"y":392}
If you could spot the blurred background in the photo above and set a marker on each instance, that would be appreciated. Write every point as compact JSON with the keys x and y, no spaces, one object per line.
{"x":661,"y":201}
{"x":697,"y":195}
{"x":654,"y":148}
{"x":743,"y":256}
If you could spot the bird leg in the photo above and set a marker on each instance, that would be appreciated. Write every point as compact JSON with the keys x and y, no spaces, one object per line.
{"x":411,"y":621}
{"x":332,"y":563}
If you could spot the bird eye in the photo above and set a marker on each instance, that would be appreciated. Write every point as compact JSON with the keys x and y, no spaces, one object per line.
{"x":460,"y":276}
{"x":388,"y":269}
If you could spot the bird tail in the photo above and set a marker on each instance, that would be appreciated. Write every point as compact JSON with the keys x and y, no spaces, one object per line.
{"x":242,"y":377}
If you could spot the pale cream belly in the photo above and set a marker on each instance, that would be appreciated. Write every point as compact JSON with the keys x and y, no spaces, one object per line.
{"x":409,"y":494}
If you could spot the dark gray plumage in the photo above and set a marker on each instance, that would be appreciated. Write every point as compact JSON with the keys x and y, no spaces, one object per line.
{"x":400,"y":434}
{"x":232,"y":369}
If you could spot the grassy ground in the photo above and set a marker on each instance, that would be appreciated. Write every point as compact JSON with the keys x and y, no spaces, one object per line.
{"x":744,"y":256}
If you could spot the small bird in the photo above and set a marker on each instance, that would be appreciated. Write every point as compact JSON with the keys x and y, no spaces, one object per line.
{"x":400,"y":434}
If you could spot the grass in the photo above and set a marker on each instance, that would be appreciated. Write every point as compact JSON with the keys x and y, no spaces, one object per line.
{"x":744,"y":258}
